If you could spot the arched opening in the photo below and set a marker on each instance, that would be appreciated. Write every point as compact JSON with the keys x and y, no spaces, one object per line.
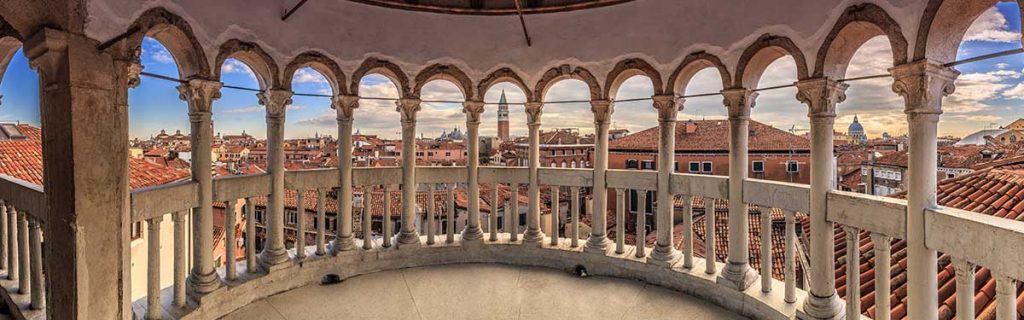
{"x":503,"y":125}
{"x":375,"y":141}
{"x":239,"y":123}
{"x":442,"y":127}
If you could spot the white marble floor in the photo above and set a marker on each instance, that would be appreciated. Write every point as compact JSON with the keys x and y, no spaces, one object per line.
{"x":481,"y":291}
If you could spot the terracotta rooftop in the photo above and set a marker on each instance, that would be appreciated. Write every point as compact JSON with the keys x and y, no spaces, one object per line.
{"x":712,"y":135}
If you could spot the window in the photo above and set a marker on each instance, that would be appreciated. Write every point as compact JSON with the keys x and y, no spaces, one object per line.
{"x":293,"y":217}
{"x":137,"y":230}
{"x":631,"y":164}
{"x":632,"y":201}
{"x":758,"y":167}
{"x":647,"y":165}
{"x":792,"y":166}
{"x":706,"y":167}
{"x":694,"y":167}
{"x":448,"y":154}
{"x":260,"y":216}
{"x":675,"y":166}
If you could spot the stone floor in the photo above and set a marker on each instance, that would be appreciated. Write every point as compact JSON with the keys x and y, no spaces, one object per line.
{"x":481,"y":291}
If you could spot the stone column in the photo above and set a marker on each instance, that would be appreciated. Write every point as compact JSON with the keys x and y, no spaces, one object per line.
{"x":533,"y":234}
{"x":598,"y":241}
{"x":737,"y":273}
{"x":821,"y":96}
{"x":200,"y":94}
{"x":883,"y":256}
{"x":84,"y":154}
{"x":922,"y":85}
{"x":276,"y":101}
{"x":473,"y":109}
{"x":964,"y":271}
{"x":345,"y":106}
{"x":664,"y":252}
{"x":408,"y":108}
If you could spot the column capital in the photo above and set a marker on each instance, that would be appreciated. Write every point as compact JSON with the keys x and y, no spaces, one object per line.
{"x":668,"y":106}
{"x":134,"y":69}
{"x":199,"y":94}
{"x":963,"y":268}
{"x":922,"y":85}
{"x":603,"y":110}
{"x":1004,"y":284}
{"x":852,"y":233}
{"x":533,"y":113}
{"x":821,"y":96}
{"x":878,"y":238}
{"x":739,"y":101}
{"x":275,"y":101}
{"x":473,"y":109}
{"x":47,"y":52}
{"x":408,"y":108}
{"x":345,"y":105}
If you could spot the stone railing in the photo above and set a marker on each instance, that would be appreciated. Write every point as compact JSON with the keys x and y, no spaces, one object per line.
{"x":22,"y":216}
{"x":880,"y":219}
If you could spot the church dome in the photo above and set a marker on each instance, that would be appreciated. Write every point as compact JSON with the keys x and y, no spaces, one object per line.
{"x":855,"y":127}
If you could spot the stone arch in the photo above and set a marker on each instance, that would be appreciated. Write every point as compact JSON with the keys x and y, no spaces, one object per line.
{"x":444,"y":72}
{"x":943,"y":26}
{"x":562,"y":72}
{"x":253,"y":56}
{"x":384,"y":68}
{"x":765,"y":50}
{"x":858,"y":24}
{"x":175,"y":34}
{"x":499,"y":76}
{"x":628,"y":68}
{"x":9,"y":45}
{"x":693,"y":63}
{"x":322,"y":64}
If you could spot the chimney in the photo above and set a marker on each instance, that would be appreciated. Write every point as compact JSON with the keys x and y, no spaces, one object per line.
{"x":691,"y":126}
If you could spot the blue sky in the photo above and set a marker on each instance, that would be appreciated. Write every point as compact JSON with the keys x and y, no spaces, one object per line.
{"x":987,"y":94}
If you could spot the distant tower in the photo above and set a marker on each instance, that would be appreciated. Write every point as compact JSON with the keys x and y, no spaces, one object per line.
{"x":503,"y":118}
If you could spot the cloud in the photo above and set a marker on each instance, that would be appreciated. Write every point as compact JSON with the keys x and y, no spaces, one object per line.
{"x":232,"y":66}
{"x":974,"y":91}
{"x":1017,"y":92}
{"x":258,"y":108}
{"x":307,"y":75}
{"x":982,"y":118}
{"x":991,"y":26}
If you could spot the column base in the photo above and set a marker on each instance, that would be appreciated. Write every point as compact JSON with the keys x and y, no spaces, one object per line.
{"x":200,"y":284}
{"x":597,"y":244}
{"x":472,"y":234}
{"x":270,"y":259}
{"x":533,"y":236}
{"x":816,"y":307}
{"x":343,"y":244}
{"x":407,"y":239}
{"x":664,"y":256}
{"x":739,"y":276}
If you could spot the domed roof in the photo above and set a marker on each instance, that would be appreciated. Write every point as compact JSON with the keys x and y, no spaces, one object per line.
{"x":855,"y":127}
{"x":491,"y":7}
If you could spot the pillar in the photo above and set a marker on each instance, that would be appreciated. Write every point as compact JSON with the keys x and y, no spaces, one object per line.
{"x":345,"y":106}
{"x":737,"y":273}
{"x":473,"y":109}
{"x":964,"y":271}
{"x":199,"y":94}
{"x":821,"y":96}
{"x":598,"y":241}
{"x":84,"y":156}
{"x":533,"y":234}
{"x":275,"y":101}
{"x":664,"y":252}
{"x":922,"y":85}
{"x":408,"y":108}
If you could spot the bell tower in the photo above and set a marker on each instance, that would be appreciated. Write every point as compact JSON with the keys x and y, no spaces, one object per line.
{"x":503,"y":118}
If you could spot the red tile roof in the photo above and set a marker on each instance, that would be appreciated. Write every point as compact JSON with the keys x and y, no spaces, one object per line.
{"x":712,"y":135}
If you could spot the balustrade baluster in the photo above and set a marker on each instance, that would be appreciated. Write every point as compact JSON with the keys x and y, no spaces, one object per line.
{"x":387,"y":216}
{"x":852,"y":272}
{"x":450,"y":201}
{"x":1006,"y":296}
{"x":35,"y":238}
{"x":620,"y":221}
{"x":766,"y":249}
{"x":321,"y":220}
{"x":3,"y":236}
{"x":153,"y":269}
{"x":180,"y":269}
{"x":431,"y":225}
{"x":300,"y":222}
{"x":790,"y":252}
{"x":23,"y":268}
{"x":250,"y":236}
{"x":641,"y":221}
{"x":687,"y":232}
{"x":882,"y":244}
{"x":709,"y":236}
{"x":493,"y":218}
{"x":555,"y":211}
{"x":230,"y":244}
{"x":574,"y":212}
{"x":368,"y":217}
{"x":12,"y":243}
{"x":513,"y":214}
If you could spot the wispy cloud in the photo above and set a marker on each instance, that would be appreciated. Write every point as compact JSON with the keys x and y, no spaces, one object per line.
{"x":991,"y":26}
{"x":307,"y":75}
{"x":258,"y":108}
{"x":233,"y":66}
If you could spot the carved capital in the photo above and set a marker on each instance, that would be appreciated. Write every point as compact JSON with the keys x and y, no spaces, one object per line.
{"x":533,"y":113}
{"x":881,"y":241}
{"x":964,"y":269}
{"x":275,"y":101}
{"x":199,"y":94}
{"x":47,"y":52}
{"x":922,"y":85}
{"x":821,"y":96}
{"x":852,"y":234}
{"x":345,"y":105}
{"x":739,"y":102}
{"x":133,"y":70}
{"x":668,"y":107}
{"x":473,"y":109}
{"x":603,"y":110}
{"x":408,"y":108}
{"x":1005,"y":285}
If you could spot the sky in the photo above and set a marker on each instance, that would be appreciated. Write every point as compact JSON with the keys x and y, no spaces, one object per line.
{"x":986,"y":94}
